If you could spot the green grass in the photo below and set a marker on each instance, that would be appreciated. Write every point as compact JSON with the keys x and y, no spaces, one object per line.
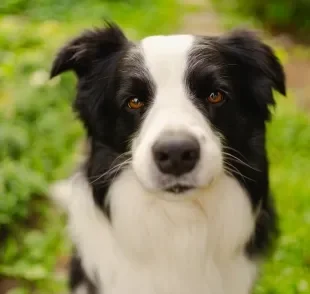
{"x":288,"y":271}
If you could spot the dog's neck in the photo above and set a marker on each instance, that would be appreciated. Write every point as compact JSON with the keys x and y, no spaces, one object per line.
{"x":176,"y":246}
{"x":217,"y":216}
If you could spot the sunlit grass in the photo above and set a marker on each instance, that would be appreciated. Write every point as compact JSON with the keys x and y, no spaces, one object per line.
{"x":288,"y":271}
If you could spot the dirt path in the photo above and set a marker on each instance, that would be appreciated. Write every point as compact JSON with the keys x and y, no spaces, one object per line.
{"x":204,"y":22}
{"x":298,"y":79}
{"x":297,"y":67}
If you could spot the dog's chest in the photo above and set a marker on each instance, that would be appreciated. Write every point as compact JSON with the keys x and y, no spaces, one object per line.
{"x":154,"y":246}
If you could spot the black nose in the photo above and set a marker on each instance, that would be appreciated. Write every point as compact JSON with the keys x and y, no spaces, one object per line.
{"x":176,"y":155}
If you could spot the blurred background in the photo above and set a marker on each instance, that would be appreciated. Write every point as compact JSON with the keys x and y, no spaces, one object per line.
{"x":40,"y":140}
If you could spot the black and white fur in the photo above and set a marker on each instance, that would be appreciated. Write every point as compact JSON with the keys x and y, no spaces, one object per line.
{"x":136,"y":229}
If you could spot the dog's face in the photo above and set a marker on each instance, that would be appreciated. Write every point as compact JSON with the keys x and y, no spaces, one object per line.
{"x":183,"y":107}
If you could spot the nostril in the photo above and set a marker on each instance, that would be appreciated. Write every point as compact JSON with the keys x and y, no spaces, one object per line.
{"x":162,"y":156}
{"x":190,"y":155}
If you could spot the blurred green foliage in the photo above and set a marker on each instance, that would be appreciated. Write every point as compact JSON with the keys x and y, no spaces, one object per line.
{"x":39,"y":135}
{"x":291,"y":16}
{"x":288,"y":271}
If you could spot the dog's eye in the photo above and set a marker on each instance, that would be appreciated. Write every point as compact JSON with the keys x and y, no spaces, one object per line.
{"x":216,"y":97}
{"x":135,"y":103}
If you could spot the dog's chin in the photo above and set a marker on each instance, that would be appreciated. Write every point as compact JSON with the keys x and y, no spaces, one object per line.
{"x":169,"y":191}
{"x":179,"y":189}
{"x":174,"y":189}
{"x":177,"y":193}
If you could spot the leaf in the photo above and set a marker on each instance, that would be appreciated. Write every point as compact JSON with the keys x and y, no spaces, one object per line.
{"x":36,"y":272}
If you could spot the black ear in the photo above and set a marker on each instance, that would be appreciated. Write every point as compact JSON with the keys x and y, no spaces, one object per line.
{"x":79,"y":54}
{"x":254,"y":64}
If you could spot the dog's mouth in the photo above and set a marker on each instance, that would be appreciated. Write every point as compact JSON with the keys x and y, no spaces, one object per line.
{"x":178,"y":189}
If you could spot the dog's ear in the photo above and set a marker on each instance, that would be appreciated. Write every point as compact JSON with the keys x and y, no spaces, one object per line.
{"x":255,"y":65}
{"x":79,"y":54}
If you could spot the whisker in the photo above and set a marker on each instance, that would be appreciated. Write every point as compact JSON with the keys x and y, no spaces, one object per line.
{"x":127,"y":153}
{"x":120,"y":166}
{"x":236,"y":159}
{"x":235,"y":150}
{"x":113,"y":169}
{"x":234,"y":170}
{"x":108,"y":179}
{"x":233,"y":173}
{"x":117,"y":158}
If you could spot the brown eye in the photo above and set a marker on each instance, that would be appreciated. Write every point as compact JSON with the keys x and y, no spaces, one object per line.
{"x":135,"y":103}
{"x":215,"y":97}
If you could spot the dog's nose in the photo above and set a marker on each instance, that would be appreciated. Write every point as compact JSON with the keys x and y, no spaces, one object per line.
{"x":176,"y":155}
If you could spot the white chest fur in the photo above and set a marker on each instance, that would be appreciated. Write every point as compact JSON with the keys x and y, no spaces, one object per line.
{"x":158,"y":247}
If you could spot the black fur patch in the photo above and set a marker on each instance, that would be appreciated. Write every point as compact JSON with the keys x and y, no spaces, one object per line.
{"x":78,"y":277}
{"x":246,"y":71}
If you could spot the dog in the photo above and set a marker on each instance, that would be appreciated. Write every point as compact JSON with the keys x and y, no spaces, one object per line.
{"x":174,"y":194}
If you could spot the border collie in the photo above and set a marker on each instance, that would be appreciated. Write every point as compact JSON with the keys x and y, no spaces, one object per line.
{"x":174,"y":197}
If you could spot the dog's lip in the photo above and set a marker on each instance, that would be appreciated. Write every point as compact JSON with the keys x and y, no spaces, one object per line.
{"x":178,"y":189}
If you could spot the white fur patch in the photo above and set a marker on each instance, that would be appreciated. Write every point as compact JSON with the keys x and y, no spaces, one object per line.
{"x":156,"y":246}
{"x":173,"y":111}
{"x":81,"y":290}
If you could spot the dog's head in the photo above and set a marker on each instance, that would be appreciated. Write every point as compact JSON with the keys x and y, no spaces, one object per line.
{"x":185,"y":108}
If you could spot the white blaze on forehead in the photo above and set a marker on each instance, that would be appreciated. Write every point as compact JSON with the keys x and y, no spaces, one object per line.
{"x":166,"y":58}
{"x":173,"y":110}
